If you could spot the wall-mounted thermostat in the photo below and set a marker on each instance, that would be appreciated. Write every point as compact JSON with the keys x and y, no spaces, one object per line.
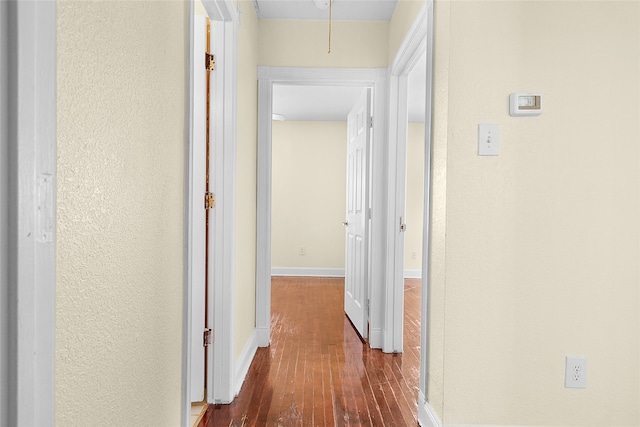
{"x":525,"y":104}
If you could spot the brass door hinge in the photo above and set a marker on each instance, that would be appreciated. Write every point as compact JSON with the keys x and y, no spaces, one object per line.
{"x":209,"y":61}
{"x":209,"y":200}
{"x":207,"y":337}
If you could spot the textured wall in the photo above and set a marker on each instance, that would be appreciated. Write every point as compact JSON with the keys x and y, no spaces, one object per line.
{"x":308,"y":201}
{"x":121,"y":144}
{"x":542,"y":241}
{"x":246,"y":176}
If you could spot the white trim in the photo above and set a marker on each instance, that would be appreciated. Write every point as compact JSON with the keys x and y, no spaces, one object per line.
{"x":29,"y":221}
{"x":307,"y":272}
{"x":409,"y":53}
{"x":185,"y":386}
{"x":427,"y":417}
{"x":263,"y":214}
{"x":376,"y":336}
{"x":412,"y":274}
{"x":221,"y":10}
{"x":486,"y":425}
{"x":224,"y":37}
{"x":244,"y":361}
{"x":375,"y":78}
{"x":5,"y":339}
{"x":221,"y":362}
{"x":428,"y":208}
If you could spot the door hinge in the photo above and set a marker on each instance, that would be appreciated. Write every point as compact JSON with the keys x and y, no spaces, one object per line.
{"x":370,"y":121}
{"x":209,"y":200}
{"x":209,"y":61}
{"x":367,"y":308}
{"x":207,"y":337}
{"x":403,"y":226}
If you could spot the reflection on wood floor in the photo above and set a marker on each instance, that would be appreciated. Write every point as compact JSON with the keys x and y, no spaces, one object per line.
{"x":317,"y":371}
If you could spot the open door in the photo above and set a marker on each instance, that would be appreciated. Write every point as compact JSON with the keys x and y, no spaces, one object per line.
{"x":198,"y":213}
{"x":356,"y":224}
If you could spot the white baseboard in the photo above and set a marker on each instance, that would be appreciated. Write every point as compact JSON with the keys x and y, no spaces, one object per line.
{"x":427,"y":417}
{"x":307,"y":272}
{"x":244,"y":361}
{"x":262,"y":337}
{"x":375,"y":338}
{"x":412,"y":274}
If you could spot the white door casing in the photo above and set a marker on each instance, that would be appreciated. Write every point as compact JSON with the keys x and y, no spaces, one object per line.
{"x":376,"y":79}
{"x":356,"y":224}
{"x":221,"y":362}
{"x":197,"y":262}
{"x":28,"y":212}
{"x":419,"y":38}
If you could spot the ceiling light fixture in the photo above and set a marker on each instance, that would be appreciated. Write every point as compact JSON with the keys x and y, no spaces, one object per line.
{"x":278,"y":117}
{"x":322,"y":5}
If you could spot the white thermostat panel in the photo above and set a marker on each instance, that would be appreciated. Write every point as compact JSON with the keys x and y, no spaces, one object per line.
{"x":525,"y":104}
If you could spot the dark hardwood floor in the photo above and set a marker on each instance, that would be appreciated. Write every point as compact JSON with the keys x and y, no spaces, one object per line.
{"x":318,"y":372}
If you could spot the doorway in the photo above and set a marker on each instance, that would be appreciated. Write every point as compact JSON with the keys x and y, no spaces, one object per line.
{"x":362,"y":78}
{"x":320,"y":161}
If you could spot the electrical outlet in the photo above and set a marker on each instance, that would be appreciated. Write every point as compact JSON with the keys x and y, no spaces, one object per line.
{"x":413,"y":255}
{"x":302,"y":250}
{"x":575,"y":372}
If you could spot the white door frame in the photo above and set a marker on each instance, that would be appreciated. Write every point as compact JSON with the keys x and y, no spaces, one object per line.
{"x":221,"y":361}
{"x":409,"y":53}
{"x":375,"y":78}
{"x":419,"y":38}
{"x":27,"y":219}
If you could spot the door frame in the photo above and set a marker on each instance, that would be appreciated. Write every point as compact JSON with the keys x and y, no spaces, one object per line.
{"x":412,"y":49}
{"x":27,"y":219}
{"x":220,"y":361}
{"x":375,"y":78}
{"x":419,"y":38}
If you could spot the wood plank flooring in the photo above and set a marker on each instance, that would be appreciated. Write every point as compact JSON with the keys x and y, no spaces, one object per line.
{"x":318,"y":372}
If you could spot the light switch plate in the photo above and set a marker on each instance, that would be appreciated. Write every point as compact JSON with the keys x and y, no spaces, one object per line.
{"x":488,"y":140}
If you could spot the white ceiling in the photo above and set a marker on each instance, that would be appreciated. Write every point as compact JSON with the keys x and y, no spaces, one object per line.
{"x":323,"y":103}
{"x":349,"y":10}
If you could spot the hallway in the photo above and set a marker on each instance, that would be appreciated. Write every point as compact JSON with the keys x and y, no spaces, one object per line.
{"x":318,"y":372}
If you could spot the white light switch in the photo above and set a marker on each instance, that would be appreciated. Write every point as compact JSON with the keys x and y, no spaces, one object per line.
{"x":488,"y":140}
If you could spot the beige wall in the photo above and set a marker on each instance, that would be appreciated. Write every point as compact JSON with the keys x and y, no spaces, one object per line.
{"x":414,"y":197}
{"x":288,"y":43}
{"x":121,"y":142}
{"x":309,"y":193}
{"x":246,"y":176}
{"x":542,"y":241}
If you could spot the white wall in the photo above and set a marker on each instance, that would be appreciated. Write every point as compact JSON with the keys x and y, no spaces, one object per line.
{"x":308,"y":196}
{"x":541,"y":254}
{"x":121,"y":145}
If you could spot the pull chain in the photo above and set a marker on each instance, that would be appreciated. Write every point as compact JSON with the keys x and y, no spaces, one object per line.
{"x":330,"y":23}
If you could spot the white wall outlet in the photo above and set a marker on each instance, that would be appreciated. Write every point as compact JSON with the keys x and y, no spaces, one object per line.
{"x":575,"y":372}
{"x":413,"y":255}
{"x":488,"y":140}
{"x":302,"y":251}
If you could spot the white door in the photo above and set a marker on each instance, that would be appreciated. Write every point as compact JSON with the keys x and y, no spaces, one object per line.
{"x":197,"y":267}
{"x":356,"y":225}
